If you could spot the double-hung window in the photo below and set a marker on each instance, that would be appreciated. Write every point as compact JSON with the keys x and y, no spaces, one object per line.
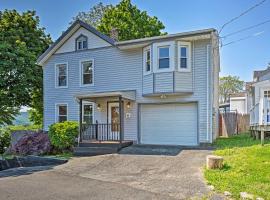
{"x":147,"y":60}
{"x":61,"y":112}
{"x":87,"y":113}
{"x":61,"y":75}
{"x":184,"y":56}
{"x":164,"y":57}
{"x":87,"y":72}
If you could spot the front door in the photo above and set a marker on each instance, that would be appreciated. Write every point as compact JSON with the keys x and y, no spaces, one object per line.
{"x":114,"y":121}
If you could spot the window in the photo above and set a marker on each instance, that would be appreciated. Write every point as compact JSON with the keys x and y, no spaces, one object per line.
{"x":147,"y":60}
{"x":163,"y":57}
{"x":61,"y":112}
{"x":87,"y":113}
{"x":87,"y":72}
{"x":183,"y":57}
{"x":184,"y":52}
{"x":61,"y":75}
{"x":81,"y":42}
{"x":267,"y":94}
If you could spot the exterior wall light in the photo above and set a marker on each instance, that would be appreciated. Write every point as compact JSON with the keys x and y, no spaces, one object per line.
{"x":98,"y":107}
{"x":128,"y":104}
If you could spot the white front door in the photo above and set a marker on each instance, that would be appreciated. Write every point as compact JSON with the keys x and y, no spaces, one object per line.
{"x":114,"y":121}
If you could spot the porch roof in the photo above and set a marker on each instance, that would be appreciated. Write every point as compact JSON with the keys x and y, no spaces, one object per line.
{"x":130,"y":95}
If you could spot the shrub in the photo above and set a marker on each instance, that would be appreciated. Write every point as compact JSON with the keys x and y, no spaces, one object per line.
{"x":62,"y":135}
{"x":4,"y":140}
{"x":33,"y":144}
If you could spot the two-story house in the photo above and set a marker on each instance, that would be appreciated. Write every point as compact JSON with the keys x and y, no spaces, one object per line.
{"x":156,"y":90}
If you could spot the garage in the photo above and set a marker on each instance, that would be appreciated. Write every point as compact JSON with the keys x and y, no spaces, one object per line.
{"x":171,"y":124}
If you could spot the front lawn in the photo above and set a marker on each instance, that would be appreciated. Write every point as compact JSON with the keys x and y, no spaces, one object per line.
{"x":246,"y":169}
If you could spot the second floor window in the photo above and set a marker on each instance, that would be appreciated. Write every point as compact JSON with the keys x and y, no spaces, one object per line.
{"x":61,"y":75}
{"x":87,"y":72}
{"x":163,"y":57}
{"x":81,"y":43}
{"x":183,"y":57}
{"x":148,"y":61}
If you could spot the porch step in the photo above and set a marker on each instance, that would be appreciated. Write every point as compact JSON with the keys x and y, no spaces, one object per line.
{"x":94,"y":151}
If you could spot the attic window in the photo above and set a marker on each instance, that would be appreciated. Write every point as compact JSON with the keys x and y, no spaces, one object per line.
{"x":81,"y":42}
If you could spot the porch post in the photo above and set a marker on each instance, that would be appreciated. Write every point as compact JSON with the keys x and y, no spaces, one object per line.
{"x":80,"y":127}
{"x":121,"y":118}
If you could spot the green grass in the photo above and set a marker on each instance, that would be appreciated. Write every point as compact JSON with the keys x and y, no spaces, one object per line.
{"x":246,"y":169}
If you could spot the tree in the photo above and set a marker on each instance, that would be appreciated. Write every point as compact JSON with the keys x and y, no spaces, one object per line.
{"x":130,"y":22}
{"x":229,"y":85}
{"x":21,"y":42}
{"x":93,"y":16}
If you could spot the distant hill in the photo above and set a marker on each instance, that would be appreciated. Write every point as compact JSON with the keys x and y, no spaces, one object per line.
{"x":22,"y":119}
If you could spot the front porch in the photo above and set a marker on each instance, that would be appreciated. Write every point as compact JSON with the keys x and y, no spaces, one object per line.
{"x":106,"y":127}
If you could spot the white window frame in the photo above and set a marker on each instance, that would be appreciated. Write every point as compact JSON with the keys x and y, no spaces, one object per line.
{"x":56,"y":114}
{"x":189,"y":55}
{"x":156,"y":46}
{"x":163,"y":47}
{"x":81,"y":39}
{"x":93,"y":111}
{"x":145,"y":50}
{"x":81,"y":71}
{"x":57,"y":74}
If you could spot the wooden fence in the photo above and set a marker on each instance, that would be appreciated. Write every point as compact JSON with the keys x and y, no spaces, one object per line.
{"x":231,"y":123}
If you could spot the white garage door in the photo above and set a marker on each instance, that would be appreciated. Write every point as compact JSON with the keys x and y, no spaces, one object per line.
{"x":173,"y":124}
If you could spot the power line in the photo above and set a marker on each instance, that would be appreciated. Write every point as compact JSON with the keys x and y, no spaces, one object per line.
{"x":241,"y":39}
{"x":245,"y":29}
{"x":242,"y":14}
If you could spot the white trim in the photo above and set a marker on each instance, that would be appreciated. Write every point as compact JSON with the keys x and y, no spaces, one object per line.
{"x":189,"y":54}
{"x":93,"y":111}
{"x":80,"y":70}
{"x":156,"y":46}
{"x":56,"y":111}
{"x":56,"y":74}
{"x":145,"y":50}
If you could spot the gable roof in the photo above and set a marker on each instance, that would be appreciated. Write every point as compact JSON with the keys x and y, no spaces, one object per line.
{"x":78,"y":23}
{"x":74,"y":27}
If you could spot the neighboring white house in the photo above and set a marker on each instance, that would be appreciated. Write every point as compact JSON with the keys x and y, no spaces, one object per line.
{"x":239,"y":103}
{"x":156,"y":90}
{"x":260,"y":98}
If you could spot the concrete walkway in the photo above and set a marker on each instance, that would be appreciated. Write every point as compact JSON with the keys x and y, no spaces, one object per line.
{"x":129,"y":175}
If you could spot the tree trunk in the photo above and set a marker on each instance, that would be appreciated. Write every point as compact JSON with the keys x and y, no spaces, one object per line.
{"x":214,"y":162}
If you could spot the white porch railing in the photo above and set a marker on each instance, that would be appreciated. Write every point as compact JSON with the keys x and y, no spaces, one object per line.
{"x":254,"y":115}
{"x":260,"y":113}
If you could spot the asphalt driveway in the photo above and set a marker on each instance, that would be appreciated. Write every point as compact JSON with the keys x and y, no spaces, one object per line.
{"x":135,"y":173}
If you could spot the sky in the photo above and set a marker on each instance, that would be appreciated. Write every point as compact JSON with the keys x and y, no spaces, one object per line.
{"x":237,"y":59}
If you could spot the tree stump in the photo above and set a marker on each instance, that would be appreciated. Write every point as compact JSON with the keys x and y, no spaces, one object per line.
{"x":214,"y":162}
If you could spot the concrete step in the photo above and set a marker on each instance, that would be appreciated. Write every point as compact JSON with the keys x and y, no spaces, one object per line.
{"x":93,"y":151}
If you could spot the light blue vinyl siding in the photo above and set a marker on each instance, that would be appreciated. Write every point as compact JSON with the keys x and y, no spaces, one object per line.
{"x":163,"y":82}
{"x":117,"y":70}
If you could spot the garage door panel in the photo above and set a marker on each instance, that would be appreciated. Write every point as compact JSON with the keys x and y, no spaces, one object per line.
{"x":169,"y":124}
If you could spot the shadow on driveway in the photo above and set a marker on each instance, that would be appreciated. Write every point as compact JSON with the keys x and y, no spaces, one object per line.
{"x":15,"y":172}
{"x":160,"y":150}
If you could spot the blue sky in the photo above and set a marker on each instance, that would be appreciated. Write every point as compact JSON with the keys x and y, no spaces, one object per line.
{"x":238,"y":59}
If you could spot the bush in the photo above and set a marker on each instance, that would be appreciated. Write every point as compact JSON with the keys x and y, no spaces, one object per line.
{"x":62,"y":135}
{"x":33,"y":144}
{"x":4,"y":140}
